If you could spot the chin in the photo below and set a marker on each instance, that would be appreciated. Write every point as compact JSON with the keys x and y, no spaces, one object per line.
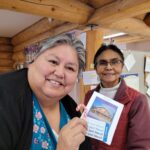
{"x":109,"y":81}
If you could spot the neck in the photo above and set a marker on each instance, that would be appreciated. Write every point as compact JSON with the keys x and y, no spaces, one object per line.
{"x":109,"y":85}
{"x":47,"y":103}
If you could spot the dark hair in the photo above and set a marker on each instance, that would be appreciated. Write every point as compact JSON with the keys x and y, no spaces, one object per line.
{"x":105,"y":47}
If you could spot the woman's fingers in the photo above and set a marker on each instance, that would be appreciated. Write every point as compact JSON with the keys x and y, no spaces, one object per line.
{"x":77,"y":121}
{"x":82,"y":108}
{"x":72,"y":134}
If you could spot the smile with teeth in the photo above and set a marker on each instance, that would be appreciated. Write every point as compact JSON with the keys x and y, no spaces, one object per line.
{"x":55,"y":83}
{"x":108,"y":74}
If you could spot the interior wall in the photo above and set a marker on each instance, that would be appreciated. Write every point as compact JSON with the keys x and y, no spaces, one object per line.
{"x":139,"y":46}
{"x":139,"y":50}
{"x":137,"y":68}
{"x":6,"y":51}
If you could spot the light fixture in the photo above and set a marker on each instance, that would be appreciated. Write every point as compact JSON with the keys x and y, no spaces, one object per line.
{"x":114,"y":35}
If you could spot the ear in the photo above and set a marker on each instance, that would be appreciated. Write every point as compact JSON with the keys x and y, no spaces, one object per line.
{"x":122,"y":65}
{"x":29,"y":64}
{"x":95,"y":69}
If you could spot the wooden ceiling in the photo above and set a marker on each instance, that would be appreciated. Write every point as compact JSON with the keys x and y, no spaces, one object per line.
{"x":129,"y":16}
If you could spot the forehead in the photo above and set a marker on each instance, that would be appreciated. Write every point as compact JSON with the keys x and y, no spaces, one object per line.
{"x":109,"y":54}
{"x":65,"y":52}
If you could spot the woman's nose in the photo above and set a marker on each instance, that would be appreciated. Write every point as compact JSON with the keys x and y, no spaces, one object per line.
{"x":109,"y":66}
{"x":59,"y":71}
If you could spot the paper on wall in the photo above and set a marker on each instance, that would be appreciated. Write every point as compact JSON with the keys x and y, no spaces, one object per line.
{"x":147,"y":64}
{"x":132,"y":80}
{"x":90,"y":77}
{"x":148,"y":79}
{"x":148,"y":91}
{"x":129,"y":61}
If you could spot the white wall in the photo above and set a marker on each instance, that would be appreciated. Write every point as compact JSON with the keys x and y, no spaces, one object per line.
{"x":137,"y":68}
{"x":139,"y":50}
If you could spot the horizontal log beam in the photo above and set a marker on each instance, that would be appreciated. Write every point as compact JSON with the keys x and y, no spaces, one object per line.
{"x":39,"y":27}
{"x":128,"y":39}
{"x":19,"y":56}
{"x":5,"y":55}
{"x":6,"y":48}
{"x":131,"y":26}
{"x":4,"y":40}
{"x":118,"y":10}
{"x":99,"y":3}
{"x":62,"y":29}
{"x":65,"y":10}
{"x":147,"y":19}
{"x":6,"y":63}
{"x":5,"y":69}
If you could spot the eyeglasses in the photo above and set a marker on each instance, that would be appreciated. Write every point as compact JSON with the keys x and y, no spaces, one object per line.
{"x":113,"y":63}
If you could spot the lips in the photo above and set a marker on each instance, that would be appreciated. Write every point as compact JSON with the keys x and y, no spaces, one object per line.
{"x":55,"y":82}
{"x":108,"y":74}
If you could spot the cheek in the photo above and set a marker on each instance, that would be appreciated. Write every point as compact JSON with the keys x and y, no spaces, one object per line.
{"x":118,"y":70}
{"x":43,"y":68}
{"x":99,"y":71}
{"x":71,"y":79}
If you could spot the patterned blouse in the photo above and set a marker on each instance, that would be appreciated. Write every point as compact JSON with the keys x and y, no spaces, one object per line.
{"x":44,"y":137}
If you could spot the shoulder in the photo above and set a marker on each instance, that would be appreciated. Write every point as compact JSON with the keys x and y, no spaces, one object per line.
{"x":15,"y":91}
{"x":140,"y":102}
{"x":134,"y":94}
{"x":14,"y":76}
{"x":125,"y":91}
{"x":14,"y":82}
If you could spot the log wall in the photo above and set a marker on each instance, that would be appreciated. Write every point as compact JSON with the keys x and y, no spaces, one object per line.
{"x":6,"y":52}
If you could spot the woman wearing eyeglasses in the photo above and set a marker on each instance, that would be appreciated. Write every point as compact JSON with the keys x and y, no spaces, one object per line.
{"x":133,"y":131}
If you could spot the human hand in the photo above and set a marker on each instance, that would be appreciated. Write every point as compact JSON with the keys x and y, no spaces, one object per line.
{"x":82,"y":108}
{"x":72,"y":134}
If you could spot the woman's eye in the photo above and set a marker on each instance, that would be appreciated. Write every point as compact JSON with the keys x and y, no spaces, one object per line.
{"x":71,"y":69}
{"x":53,"y":62}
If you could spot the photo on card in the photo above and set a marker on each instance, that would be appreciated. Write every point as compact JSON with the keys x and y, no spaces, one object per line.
{"x":102,"y":110}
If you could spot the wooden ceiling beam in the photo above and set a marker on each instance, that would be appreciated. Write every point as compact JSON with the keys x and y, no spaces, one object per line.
{"x":66,"y":10}
{"x":61,"y":29}
{"x":4,"y":40}
{"x":131,"y":26}
{"x":37,"y":28}
{"x":147,"y":19}
{"x":128,"y":39}
{"x":100,"y":3}
{"x":118,"y":10}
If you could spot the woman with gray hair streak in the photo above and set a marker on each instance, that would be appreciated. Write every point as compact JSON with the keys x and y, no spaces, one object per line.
{"x":36,"y":112}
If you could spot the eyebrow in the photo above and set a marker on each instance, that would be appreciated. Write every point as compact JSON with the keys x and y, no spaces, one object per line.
{"x":109,"y":59}
{"x":70,"y":63}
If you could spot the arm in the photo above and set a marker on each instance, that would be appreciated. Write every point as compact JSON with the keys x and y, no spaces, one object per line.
{"x":7,"y":122}
{"x":139,"y":125}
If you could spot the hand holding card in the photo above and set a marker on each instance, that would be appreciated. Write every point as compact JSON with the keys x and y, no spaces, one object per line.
{"x":102,"y":115}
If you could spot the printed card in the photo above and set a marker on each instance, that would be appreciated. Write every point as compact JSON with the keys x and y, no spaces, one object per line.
{"x":102,"y":115}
